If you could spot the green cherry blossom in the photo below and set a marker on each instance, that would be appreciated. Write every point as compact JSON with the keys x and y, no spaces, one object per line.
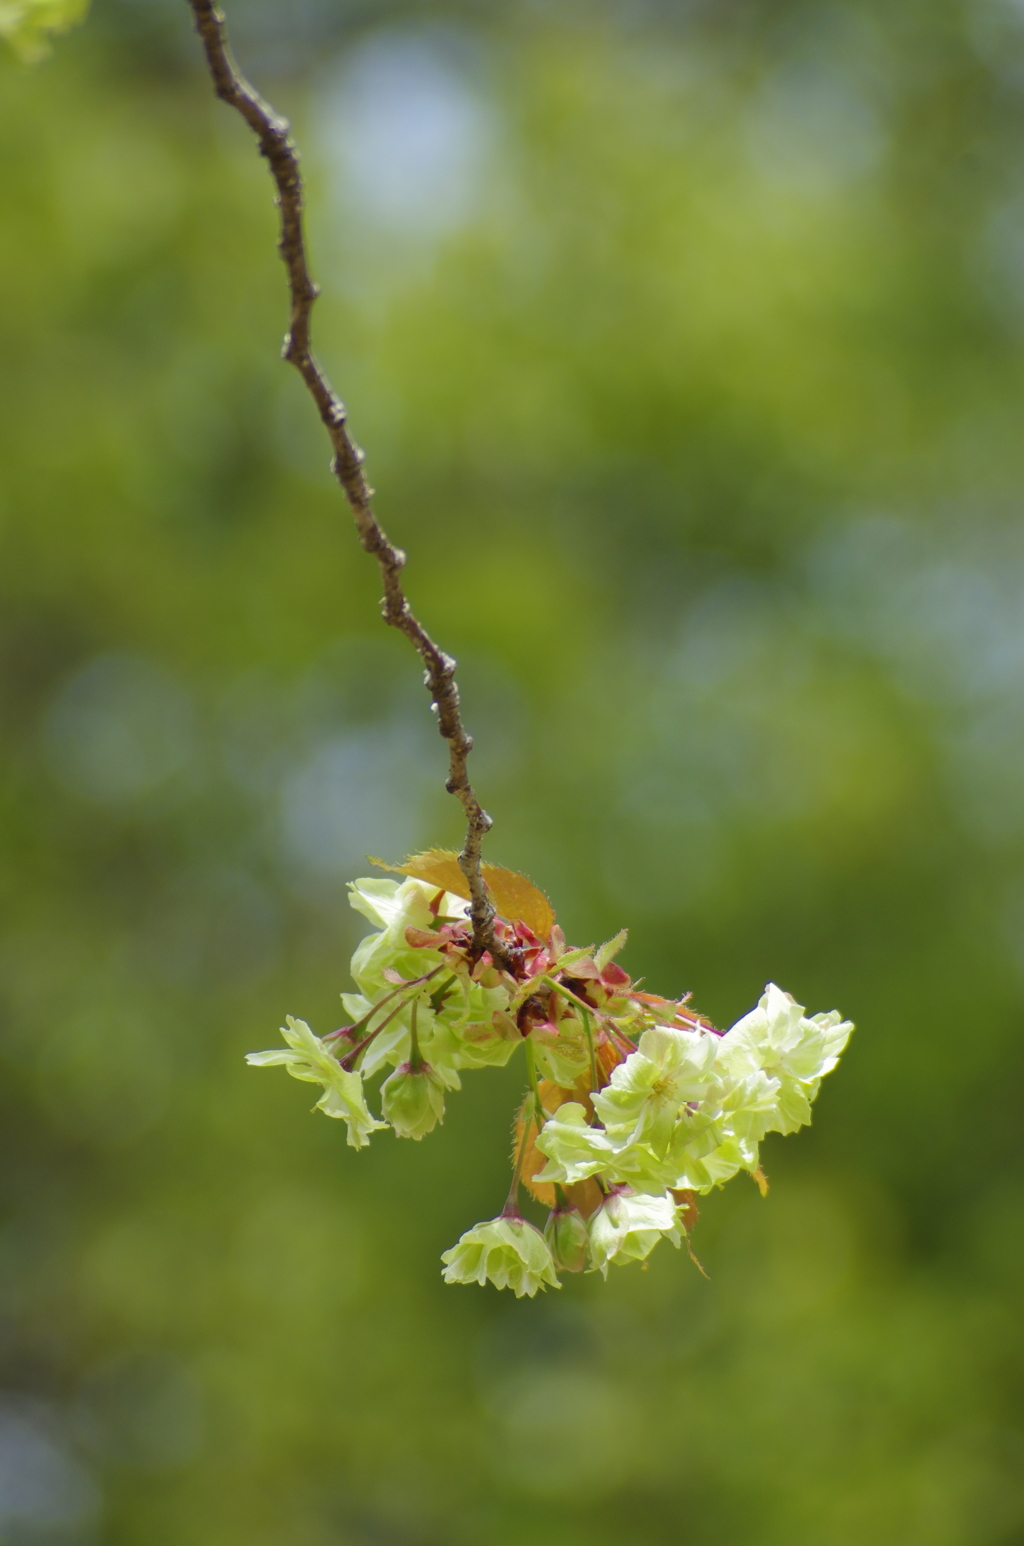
{"x":779,"y":1039}
{"x":563,"y":1056}
{"x":508,"y":1252}
{"x":627,"y":1228}
{"x":306,"y":1058}
{"x":393,"y":909}
{"x":412,"y":1100}
{"x":463,"y":1022}
{"x":648,"y":1090}
{"x":574,"y":1149}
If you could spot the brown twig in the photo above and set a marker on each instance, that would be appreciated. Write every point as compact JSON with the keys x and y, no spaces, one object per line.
{"x":439,"y":672}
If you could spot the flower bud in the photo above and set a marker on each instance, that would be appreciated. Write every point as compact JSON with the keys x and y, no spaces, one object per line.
{"x":413,"y":1100}
{"x":508,"y":1252}
{"x":566,"y":1235}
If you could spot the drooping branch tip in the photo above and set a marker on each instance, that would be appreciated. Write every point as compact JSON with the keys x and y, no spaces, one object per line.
{"x":272,"y":132}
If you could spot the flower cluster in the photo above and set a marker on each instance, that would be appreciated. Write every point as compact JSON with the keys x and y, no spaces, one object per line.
{"x":634,"y":1105}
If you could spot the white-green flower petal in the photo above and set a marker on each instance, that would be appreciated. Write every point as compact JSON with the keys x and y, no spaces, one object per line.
{"x":833,"y":1032}
{"x":275,"y":1056}
{"x":307,"y":1058}
{"x":778,"y":1039}
{"x":463,"y":1020}
{"x":413,"y":1100}
{"x":305,"y":1055}
{"x":393,"y":908}
{"x":718,"y":1139}
{"x":574,"y":1149}
{"x":647,"y":1091}
{"x":507,"y":1252}
{"x":562,"y":1058}
{"x":637,"y":1166}
{"x":483,"y":1043}
{"x":387,"y":902}
{"x":627,"y":1228}
{"x":346,"y":1101}
{"x":749,"y":1109}
{"x":355,"y":1006}
{"x":711,"y":1160}
{"x":391,"y":1047}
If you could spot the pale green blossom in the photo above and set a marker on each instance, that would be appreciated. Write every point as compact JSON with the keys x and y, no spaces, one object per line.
{"x":306,"y":1058}
{"x":648,"y":1090}
{"x":779,"y":1039}
{"x":465,"y":1030}
{"x":637,"y":1166}
{"x":391,"y":904}
{"x":393,"y":908}
{"x":577,"y":1149}
{"x":574,"y":1149}
{"x":710,"y":1156}
{"x":626,"y":1228}
{"x":508,"y":1252}
{"x":482,"y":1034}
{"x":388,"y":1049}
{"x":412,"y":1100}
{"x":562,"y":1058}
{"x":748,"y":1108}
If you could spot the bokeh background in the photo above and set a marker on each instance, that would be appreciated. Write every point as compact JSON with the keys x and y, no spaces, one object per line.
{"x":686,"y":342}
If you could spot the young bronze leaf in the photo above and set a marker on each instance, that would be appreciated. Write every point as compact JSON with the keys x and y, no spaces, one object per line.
{"x":533,"y":1161}
{"x":437,"y":866}
{"x":585,"y":1195}
{"x":551,"y":1097}
{"x":515,"y":897}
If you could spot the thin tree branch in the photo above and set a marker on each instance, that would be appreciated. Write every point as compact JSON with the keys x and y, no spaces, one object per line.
{"x":439,"y":673}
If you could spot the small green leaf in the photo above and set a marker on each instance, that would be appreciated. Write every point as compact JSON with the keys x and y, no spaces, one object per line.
{"x":609,"y":951}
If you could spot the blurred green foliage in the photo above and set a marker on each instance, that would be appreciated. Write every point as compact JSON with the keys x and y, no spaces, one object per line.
{"x":28,"y":25}
{"x":686,"y":342}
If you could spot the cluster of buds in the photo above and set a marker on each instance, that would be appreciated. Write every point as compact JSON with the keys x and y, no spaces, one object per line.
{"x":634,"y":1105}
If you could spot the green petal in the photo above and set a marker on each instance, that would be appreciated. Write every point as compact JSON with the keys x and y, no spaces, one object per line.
{"x":509,"y":1253}
{"x":574,"y":1149}
{"x":627,"y":1229}
{"x":413,"y":1102}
